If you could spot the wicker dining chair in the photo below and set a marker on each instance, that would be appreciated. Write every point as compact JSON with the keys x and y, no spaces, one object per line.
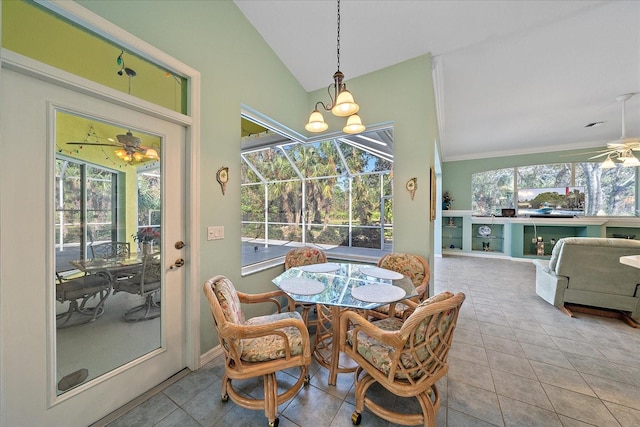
{"x":300,"y":257}
{"x":259,"y":346}
{"x":413,"y":266}
{"x":406,"y":357}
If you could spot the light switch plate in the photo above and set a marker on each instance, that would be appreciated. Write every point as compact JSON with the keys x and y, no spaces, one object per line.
{"x":215,"y":232}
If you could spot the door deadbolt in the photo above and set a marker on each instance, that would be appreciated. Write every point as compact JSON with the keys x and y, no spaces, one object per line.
{"x":177,"y":264}
{"x":179,"y":244}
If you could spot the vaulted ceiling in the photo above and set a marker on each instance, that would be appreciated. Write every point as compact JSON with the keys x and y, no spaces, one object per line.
{"x":512,"y":76}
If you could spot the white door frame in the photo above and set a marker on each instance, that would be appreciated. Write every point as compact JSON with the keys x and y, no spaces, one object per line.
{"x":191,"y":122}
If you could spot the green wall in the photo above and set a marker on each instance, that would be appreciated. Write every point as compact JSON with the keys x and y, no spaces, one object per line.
{"x":238,"y":68}
{"x":456,"y":176}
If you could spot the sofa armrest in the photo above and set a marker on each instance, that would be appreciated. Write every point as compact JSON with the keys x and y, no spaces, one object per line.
{"x":550,"y":286}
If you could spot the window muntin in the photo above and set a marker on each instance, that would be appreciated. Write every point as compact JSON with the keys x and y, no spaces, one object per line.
{"x":85,"y":209}
{"x":271,"y":164}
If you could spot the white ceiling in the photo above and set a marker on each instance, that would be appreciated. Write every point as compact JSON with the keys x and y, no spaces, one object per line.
{"x":513,"y":76}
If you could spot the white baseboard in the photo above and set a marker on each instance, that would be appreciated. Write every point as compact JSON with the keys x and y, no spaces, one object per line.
{"x":210,"y":355}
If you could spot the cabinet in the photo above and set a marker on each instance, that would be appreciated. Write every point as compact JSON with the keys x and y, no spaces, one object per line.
{"x":539,"y":241}
{"x":451,"y":233}
{"x":487,"y":237}
{"x":623,"y":233}
{"x":523,"y":237}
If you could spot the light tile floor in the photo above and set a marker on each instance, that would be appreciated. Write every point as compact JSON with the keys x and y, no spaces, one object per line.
{"x":516,"y":361}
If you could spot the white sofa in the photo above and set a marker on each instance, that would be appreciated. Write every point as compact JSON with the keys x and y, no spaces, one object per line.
{"x":587,"y":271}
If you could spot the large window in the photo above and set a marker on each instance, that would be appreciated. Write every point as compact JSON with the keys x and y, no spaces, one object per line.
{"x":85,"y":209}
{"x":333,"y":193}
{"x":492,"y":191}
{"x":609,"y":192}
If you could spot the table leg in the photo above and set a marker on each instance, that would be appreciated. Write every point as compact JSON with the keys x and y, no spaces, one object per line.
{"x":327,"y":349}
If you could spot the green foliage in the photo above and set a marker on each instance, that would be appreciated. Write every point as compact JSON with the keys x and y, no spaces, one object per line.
{"x":325,"y":186}
{"x":548,"y":198}
{"x":607,"y":191}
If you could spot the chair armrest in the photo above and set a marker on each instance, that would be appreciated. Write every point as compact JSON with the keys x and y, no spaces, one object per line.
{"x":360,"y":324}
{"x":266,"y":297}
{"x":411,"y":304}
{"x":422,"y":291}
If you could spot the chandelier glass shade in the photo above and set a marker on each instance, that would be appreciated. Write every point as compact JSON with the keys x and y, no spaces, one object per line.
{"x":630,"y":161}
{"x":129,"y":155}
{"x":316,"y":122}
{"x":608,"y":164}
{"x":354,"y":125}
{"x":345,"y":105}
{"x":342,"y":102}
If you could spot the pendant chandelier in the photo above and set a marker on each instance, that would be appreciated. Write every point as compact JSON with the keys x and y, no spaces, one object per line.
{"x":342,"y":102}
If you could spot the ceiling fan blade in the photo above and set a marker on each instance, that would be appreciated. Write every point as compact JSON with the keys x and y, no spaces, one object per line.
{"x":602,"y":152}
{"x":97,"y":144}
{"x":606,"y":153}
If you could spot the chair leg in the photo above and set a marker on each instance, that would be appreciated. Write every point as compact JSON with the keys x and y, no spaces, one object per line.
{"x":362,"y":385}
{"x":271,"y":398}
{"x":96,"y":311}
{"x":224,"y":393}
{"x":150,"y":309}
{"x":82,"y":310}
{"x":428,"y":406}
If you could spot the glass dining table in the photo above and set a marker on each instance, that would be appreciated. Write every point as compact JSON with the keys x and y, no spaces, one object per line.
{"x":112,"y":266}
{"x":335,"y":288}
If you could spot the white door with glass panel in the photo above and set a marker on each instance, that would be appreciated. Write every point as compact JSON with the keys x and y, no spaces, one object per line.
{"x":92,"y":208}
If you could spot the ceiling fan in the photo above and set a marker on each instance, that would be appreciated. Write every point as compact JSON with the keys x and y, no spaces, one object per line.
{"x":622,"y":148}
{"x":130,"y":146}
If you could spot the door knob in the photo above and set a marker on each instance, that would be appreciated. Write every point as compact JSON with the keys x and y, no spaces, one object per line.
{"x":180,"y":244}
{"x":177,"y":264}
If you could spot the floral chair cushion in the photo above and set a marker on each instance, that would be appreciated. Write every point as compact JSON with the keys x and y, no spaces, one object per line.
{"x":229,"y":302}
{"x":400,"y":309}
{"x":380,"y":355}
{"x":406,"y":264}
{"x":271,"y":347}
{"x":305,"y":256}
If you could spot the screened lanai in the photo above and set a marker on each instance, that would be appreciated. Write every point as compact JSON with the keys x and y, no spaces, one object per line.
{"x":334,"y":193}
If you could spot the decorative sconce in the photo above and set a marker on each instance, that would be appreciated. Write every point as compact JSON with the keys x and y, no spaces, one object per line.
{"x":223,"y":177}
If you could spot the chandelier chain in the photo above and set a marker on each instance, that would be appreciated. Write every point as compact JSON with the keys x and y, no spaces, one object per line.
{"x":338,"y":37}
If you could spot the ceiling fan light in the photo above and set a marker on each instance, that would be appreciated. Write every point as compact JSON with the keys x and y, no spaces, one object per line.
{"x":630,"y":161}
{"x":120,"y":153}
{"x":316,"y":122}
{"x":608,"y":164}
{"x":345,"y":104}
{"x":354,"y":125}
{"x":127,"y":158}
{"x":137,"y":156}
{"x":152,"y":153}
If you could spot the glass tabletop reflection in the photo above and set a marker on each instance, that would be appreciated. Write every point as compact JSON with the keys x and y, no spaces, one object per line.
{"x":340,"y":280}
